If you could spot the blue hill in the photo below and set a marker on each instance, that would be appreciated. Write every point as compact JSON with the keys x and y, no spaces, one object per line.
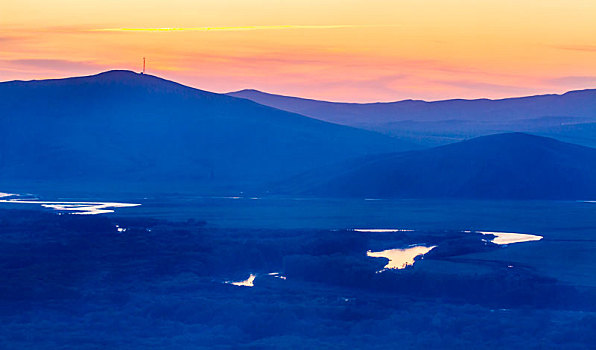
{"x":121,"y":130}
{"x":502,"y":166}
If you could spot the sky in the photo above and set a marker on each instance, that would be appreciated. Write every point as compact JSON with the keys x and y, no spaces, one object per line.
{"x":339,"y":50}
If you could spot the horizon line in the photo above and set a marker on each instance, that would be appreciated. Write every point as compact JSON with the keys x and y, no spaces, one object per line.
{"x":299,"y":97}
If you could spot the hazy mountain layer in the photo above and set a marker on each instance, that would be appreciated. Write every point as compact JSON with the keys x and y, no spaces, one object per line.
{"x":581,"y":103}
{"x":515,"y":166}
{"x":441,"y":122}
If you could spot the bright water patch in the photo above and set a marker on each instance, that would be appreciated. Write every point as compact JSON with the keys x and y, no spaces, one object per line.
{"x":510,"y":237}
{"x":400,"y":258}
{"x":249,"y":282}
{"x":81,"y":208}
{"x":277,"y":275}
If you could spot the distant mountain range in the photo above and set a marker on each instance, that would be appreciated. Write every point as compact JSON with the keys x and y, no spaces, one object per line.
{"x":121,"y":131}
{"x":570,"y":117}
{"x":512,"y":166}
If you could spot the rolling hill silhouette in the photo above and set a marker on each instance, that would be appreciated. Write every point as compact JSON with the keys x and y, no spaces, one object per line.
{"x":580,"y":103}
{"x":441,"y":122}
{"x":502,"y":166}
{"x":121,"y":130}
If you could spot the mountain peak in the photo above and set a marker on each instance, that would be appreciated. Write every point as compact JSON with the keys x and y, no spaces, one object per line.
{"x":246,"y":91}
{"x":118,"y":72}
{"x":121,"y":75}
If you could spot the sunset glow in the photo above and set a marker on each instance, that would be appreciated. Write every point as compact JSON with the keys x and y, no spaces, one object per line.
{"x":349,"y":50}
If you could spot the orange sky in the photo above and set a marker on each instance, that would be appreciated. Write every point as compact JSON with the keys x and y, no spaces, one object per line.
{"x":348,"y":50}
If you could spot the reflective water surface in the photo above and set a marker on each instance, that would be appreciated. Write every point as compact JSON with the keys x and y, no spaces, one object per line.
{"x":502,"y":238}
{"x":400,"y":258}
{"x":249,"y":282}
{"x":81,"y":208}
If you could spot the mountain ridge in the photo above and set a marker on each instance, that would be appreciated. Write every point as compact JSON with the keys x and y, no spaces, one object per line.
{"x":500,"y":166}
{"x":124,"y":127}
{"x":256,"y":91}
{"x":439,"y":122}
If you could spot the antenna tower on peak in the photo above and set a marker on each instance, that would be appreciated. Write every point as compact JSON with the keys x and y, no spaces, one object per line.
{"x":143,"y":72}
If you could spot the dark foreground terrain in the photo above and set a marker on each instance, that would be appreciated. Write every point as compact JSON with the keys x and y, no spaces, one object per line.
{"x":96,"y":282}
